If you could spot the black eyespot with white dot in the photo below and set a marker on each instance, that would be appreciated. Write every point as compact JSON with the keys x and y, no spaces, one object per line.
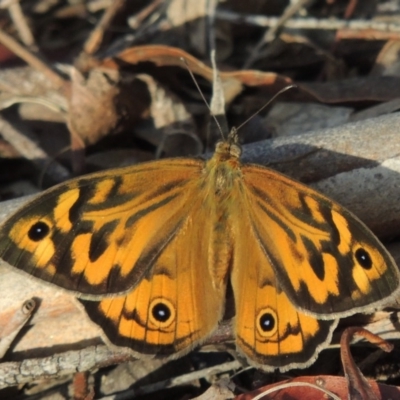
{"x":267,"y":322}
{"x":38,"y":231}
{"x":363,"y":258}
{"x":161,"y":312}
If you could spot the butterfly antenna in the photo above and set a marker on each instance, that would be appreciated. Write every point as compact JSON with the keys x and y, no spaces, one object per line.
{"x":202,"y":96}
{"x":267,"y":104}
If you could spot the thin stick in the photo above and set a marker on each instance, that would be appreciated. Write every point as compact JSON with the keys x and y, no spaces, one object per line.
{"x":94,"y":41}
{"x":186,"y":378}
{"x":272,"y":32}
{"x":31,"y":59}
{"x":311,"y":23}
{"x":22,"y":26}
{"x":136,"y":20}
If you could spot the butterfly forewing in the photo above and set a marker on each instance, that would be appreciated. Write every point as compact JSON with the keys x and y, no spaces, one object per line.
{"x":98,"y":235}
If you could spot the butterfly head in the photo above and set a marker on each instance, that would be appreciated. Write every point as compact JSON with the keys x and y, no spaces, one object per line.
{"x":229,"y":148}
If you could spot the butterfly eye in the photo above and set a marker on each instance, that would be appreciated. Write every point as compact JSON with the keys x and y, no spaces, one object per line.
{"x":38,"y":231}
{"x":363,"y":258}
{"x":267,"y":322}
{"x":162,"y":312}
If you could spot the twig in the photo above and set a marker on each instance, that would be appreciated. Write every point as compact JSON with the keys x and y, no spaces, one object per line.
{"x":21,"y":25}
{"x":70,"y":362}
{"x":184,"y":379}
{"x":94,"y":41}
{"x":79,"y":8}
{"x":135,"y":20}
{"x":350,"y":8}
{"x":366,"y":34}
{"x":31,"y":59}
{"x":310,"y":23}
{"x":272,"y":32}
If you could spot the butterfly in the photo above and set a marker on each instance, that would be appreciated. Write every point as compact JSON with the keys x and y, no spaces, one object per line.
{"x":152,"y":250}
